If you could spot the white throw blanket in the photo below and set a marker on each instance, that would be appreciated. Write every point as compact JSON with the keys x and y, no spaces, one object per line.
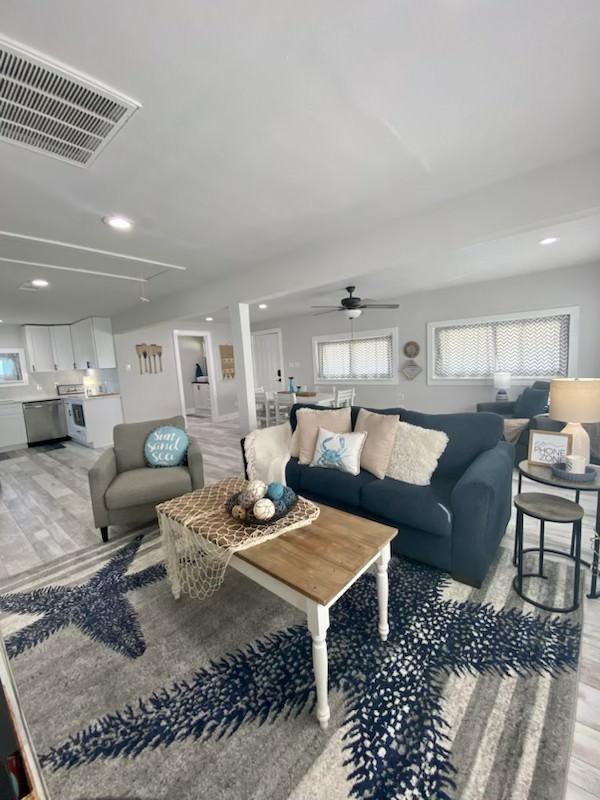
{"x":267,"y":451}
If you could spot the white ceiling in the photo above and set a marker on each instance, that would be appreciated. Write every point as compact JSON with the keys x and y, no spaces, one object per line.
{"x":274,"y":130}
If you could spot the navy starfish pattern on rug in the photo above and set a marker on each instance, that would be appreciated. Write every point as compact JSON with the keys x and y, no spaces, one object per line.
{"x":397,"y":739}
{"x":98,"y":607}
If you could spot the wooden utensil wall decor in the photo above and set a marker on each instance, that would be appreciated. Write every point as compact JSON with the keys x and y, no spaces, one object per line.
{"x":147,"y":357}
{"x":227,"y":361}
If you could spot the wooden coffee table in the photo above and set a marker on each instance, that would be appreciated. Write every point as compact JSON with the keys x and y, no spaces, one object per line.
{"x":312,"y":567}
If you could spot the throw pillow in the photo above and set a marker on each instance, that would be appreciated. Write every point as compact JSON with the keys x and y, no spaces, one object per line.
{"x":381,"y":430}
{"x":166,"y":447}
{"x":530,"y":403}
{"x":309,"y":420}
{"x":416,"y":453}
{"x":338,"y":451}
{"x":513,"y":428}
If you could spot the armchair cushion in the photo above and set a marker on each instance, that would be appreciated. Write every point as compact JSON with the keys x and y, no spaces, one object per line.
{"x":530,"y":403}
{"x":130,"y":437}
{"x":137,"y":487}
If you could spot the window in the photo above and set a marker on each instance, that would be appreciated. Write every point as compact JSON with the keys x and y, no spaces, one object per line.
{"x":368,"y":356}
{"x":12,"y":367}
{"x":535,"y":344}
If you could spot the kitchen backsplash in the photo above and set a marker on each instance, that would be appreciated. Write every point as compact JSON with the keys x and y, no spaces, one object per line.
{"x":43,"y":384}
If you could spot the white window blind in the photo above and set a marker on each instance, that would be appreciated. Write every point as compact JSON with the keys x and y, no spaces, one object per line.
{"x":528,"y":346}
{"x":362,"y":359}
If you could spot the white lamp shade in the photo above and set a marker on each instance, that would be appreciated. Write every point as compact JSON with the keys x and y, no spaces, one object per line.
{"x":502,"y":380}
{"x":575,"y":399}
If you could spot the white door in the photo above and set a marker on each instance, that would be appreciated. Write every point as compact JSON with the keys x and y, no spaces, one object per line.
{"x":267,"y":355}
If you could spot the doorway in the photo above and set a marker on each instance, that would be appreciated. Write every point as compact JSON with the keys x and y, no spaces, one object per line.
{"x":195,"y":374}
{"x":267,"y":357}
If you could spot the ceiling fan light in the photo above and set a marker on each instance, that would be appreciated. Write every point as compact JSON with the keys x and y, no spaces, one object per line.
{"x":353,"y":313}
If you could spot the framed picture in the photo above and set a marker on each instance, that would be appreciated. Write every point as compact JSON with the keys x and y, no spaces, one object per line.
{"x":547,"y":448}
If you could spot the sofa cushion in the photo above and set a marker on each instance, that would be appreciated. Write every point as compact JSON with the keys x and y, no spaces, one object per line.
{"x":531,"y":403}
{"x":381,"y":432}
{"x":129,"y":439}
{"x":470,"y":433}
{"x":416,"y":453}
{"x":424,"y":507}
{"x":309,"y":421}
{"x":341,"y":487}
{"x":338,"y":451}
{"x":137,"y":487}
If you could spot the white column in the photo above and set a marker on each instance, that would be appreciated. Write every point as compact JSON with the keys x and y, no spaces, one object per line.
{"x":317,"y":617}
{"x":244,"y":371}
{"x":383,"y":591}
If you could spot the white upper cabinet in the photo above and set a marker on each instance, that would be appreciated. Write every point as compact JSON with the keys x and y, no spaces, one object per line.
{"x":62,"y":347}
{"x":39,"y":348}
{"x":93,"y":346}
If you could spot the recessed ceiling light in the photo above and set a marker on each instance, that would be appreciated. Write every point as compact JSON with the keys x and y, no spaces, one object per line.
{"x":549,"y":240}
{"x":40,"y":283}
{"x":118,"y":222}
{"x":263,"y":306}
{"x":209,"y":319}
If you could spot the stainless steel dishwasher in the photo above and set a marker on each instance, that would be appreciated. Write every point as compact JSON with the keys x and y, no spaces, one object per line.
{"x":45,"y":420}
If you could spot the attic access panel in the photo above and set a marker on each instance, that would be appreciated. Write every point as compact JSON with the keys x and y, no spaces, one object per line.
{"x":49,"y":108}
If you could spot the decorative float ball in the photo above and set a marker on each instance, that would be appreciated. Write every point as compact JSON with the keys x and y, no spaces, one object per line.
{"x":263,"y":509}
{"x":289,"y":496}
{"x":238,"y":512}
{"x":232,"y":501}
{"x":280,"y":508}
{"x":275,"y":491}
{"x":255,"y":490}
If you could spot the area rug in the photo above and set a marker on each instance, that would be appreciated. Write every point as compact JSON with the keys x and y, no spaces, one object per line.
{"x":132,"y":694}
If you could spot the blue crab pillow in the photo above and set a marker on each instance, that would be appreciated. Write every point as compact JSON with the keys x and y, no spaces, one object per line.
{"x":339,"y":451}
{"x":166,"y":447}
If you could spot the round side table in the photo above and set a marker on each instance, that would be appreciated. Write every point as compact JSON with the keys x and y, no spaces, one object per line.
{"x":547,"y":508}
{"x":544,"y":475}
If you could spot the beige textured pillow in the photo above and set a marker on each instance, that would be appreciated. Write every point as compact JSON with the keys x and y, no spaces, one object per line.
{"x":381,"y":430}
{"x":416,"y":453}
{"x":308,"y":422}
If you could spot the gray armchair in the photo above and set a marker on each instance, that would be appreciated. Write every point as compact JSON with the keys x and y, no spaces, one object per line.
{"x":125,"y":491}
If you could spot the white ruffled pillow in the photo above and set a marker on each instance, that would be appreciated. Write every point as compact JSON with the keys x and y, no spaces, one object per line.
{"x":339,"y":451}
{"x":415,"y":454}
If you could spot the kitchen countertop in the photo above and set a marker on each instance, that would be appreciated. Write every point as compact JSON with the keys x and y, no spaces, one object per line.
{"x":40,"y":398}
{"x":103,"y":394}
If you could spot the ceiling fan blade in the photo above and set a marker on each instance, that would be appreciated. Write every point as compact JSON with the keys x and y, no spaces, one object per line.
{"x":330,"y":310}
{"x":332,"y":307}
{"x":381,"y":305}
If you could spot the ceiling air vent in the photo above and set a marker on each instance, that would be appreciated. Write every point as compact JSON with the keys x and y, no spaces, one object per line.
{"x":48,"y":108}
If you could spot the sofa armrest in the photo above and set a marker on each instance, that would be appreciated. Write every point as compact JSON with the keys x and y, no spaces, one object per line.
{"x":196,"y":465}
{"x":543,"y":422}
{"x":504,"y":409}
{"x":481,"y":506}
{"x":100,"y":477}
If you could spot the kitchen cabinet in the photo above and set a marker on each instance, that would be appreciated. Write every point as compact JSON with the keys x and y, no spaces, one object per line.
{"x":201,"y":397}
{"x":93,"y":345}
{"x":62,"y":347}
{"x":39,"y":348}
{"x":12,"y":426}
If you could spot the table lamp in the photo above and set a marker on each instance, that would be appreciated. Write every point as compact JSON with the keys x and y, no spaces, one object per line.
{"x":576,"y":400}
{"x":502,"y":385}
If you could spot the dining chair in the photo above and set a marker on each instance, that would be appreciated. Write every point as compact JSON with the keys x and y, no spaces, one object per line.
{"x":283,"y":405}
{"x":344,"y":397}
{"x":264,"y":401}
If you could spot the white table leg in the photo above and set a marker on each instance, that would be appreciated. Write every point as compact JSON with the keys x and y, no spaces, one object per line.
{"x":383,"y":592}
{"x":318,"y":622}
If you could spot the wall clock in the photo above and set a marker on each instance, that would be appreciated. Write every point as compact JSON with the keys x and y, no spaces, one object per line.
{"x":411,"y":349}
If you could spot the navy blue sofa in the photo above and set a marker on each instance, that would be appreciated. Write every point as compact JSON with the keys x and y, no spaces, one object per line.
{"x":456,"y":523}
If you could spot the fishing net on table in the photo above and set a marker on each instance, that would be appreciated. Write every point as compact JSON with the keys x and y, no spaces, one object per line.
{"x":199,"y":536}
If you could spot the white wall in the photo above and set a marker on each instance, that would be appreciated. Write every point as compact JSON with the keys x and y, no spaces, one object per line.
{"x":153,"y":396}
{"x":577,"y":286}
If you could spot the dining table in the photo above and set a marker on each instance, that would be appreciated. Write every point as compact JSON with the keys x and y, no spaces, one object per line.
{"x":326,"y":399}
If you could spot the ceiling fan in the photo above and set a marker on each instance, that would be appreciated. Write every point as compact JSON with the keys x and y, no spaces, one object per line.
{"x":353,"y":306}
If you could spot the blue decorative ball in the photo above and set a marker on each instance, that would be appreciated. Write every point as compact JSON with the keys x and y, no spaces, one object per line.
{"x":275,"y":491}
{"x":280,"y":508}
{"x":289,"y":496}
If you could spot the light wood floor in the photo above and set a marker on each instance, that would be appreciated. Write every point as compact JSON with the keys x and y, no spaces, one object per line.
{"x":45,"y":513}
